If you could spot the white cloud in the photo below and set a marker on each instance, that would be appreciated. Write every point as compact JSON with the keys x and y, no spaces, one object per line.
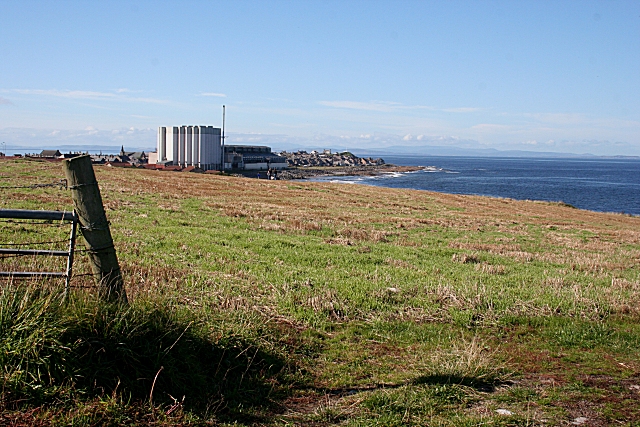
{"x":490,"y":127}
{"x":89,"y":95}
{"x":133,"y":138}
{"x":367,"y":106}
{"x":125,"y":90}
{"x":558,"y":118}
{"x":89,"y":138}
{"x":462,"y":110}
{"x":219,"y":95}
{"x":77,"y":94}
{"x":148,"y":100}
{"x":389,"y":106}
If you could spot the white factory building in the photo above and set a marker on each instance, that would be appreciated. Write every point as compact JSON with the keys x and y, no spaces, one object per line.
{"x":198,"y":146}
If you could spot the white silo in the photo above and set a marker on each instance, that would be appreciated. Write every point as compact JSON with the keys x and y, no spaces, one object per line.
{"x":171,"y":140}
{"x":195,"y":146}
{"x":167,"y":143}
{"x":162,"y":143}
{"x":187,"y":145}
{"x":181,"y":143}
{"x":209,"y":147}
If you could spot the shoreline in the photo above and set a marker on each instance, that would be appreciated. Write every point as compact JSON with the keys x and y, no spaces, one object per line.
{"x":313,"y":172}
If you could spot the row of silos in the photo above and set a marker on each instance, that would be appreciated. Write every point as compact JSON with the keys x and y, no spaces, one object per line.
{"x":198,"y":146}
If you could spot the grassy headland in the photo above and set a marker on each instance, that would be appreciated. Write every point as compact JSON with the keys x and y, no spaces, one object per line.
{"x":301,"y":303}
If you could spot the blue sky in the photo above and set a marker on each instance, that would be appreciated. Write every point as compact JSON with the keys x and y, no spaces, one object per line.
{"x":530,"y":75}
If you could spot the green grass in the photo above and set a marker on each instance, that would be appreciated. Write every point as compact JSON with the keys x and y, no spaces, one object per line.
{"x":268,"y":303}
{"x":55,"y":350}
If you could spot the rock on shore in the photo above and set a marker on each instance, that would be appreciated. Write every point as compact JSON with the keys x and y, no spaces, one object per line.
{"x":326,"y":158}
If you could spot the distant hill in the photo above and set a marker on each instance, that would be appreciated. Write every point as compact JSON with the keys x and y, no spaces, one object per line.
{"x":400,"y":150}
{"x":435,"y":150}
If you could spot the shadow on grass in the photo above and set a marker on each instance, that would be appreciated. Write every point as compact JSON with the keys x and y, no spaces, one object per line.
{"x":473,"y":382}
{"x":435,"y":380}
{"x":160,"y":358}
{"x":143,"y":354}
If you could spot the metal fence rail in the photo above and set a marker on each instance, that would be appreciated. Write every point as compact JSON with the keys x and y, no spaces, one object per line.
{"x":42,"y":215}
{"x":47,"y":215}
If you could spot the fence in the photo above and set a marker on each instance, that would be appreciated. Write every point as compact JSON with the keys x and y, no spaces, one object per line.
{"x":89,"y":213}
{"x":42,"y":215}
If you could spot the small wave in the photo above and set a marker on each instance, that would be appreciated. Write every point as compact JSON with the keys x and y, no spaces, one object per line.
{"x":342,"y":181}
{"x":390,"y":175}
{"x":434,"y":169}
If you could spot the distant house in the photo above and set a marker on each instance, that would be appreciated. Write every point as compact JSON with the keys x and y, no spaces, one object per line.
{"x":97,"y":159}
{"x":50,"y":154}
{"x":130,"y":158}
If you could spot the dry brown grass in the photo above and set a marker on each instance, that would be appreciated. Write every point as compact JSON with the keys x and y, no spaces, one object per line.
{"x":351,"y":209}
{"x":491,"y":269}
{"x":465,"y":258}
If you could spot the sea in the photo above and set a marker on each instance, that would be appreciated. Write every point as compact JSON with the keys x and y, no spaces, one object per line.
{"x":596,"y":184}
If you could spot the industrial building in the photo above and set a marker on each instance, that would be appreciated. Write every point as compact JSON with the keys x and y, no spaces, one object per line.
{"x":252,"y":157}
{"x":201,"y":147}
{"x":198,"y":146}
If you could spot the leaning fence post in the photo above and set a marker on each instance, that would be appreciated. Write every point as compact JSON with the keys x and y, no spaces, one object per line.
{"x":95,"y":227}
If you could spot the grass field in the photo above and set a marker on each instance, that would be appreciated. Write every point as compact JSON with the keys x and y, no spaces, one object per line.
{"x":298,"y":303}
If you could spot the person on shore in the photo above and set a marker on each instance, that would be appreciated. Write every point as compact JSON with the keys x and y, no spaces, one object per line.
{"x":275,"y":174}
{"x":268,"y":173}
{"x":258,"y":175}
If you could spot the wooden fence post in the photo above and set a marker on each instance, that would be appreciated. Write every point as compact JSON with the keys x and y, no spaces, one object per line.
{"x":95,"y":227}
